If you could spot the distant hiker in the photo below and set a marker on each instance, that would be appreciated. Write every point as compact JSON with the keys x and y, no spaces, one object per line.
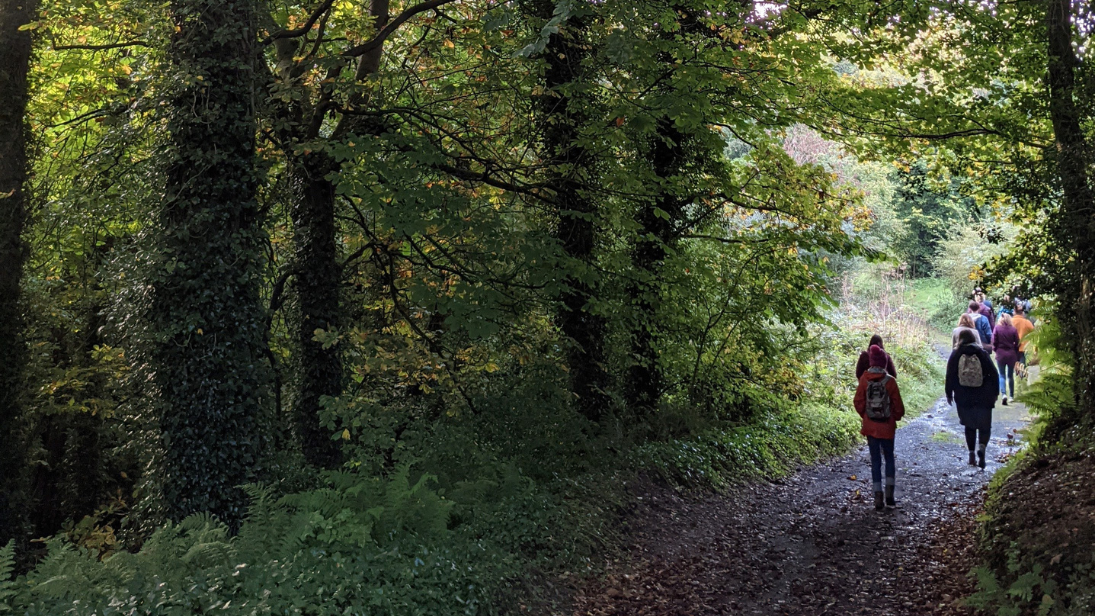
{"x":1005,"y":341}
{"x":1026,"y":306}
{"x":1023,"y":326}
{"x":864,"y":362}
{"x":1007,"y":306}
{"x":981,"y":324}
{"x":965,"y":323}
{"x":972,"y":385}
{"x":878,"y":402}
{"x":986,"y":309}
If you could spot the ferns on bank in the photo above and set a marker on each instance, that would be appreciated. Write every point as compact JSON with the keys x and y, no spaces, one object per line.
{"x":7,"y":564}
{"x":1051,"y":397}
{"x":360,"y":545}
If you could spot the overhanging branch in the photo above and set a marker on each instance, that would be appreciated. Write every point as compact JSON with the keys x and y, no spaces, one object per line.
{"x":392,"y":26}
{"x":102,"y":47}
{"x":306,"y":28}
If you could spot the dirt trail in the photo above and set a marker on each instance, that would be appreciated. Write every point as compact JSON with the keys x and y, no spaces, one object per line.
{"x":813,"y":544}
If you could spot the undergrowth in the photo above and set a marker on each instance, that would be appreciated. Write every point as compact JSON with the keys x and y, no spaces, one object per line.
{"x":463,"y":516}
{"x":821,"y":422}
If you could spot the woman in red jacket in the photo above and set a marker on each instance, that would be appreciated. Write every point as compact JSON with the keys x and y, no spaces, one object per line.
{"x":878,"y":402}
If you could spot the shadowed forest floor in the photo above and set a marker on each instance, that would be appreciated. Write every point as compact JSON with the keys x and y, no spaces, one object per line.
{"x":813,"y":544}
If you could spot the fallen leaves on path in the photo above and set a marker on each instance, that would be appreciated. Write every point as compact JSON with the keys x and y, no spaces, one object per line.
{"x":810,"y":545}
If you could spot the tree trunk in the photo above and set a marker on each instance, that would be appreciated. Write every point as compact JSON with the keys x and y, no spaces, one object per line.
{"x":1078,"y":211}
{"x":560,"y":119}
{"x":318,"y":371}
{"x":316,"y":294}
{"x":208,"y":339}
{"x":15,"y":52}
{"x":645,"y":381}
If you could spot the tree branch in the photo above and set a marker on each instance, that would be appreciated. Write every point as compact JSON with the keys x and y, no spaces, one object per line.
{"x":305,"y":29}
{"x":357,"y":254}
{"x":102,"y":47}
{"x":387,"y":31}
{"x":278,"y":289}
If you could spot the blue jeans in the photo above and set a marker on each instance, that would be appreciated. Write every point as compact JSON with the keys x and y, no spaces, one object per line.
{"x":1007,"y":373}
{"x":880,"y":447}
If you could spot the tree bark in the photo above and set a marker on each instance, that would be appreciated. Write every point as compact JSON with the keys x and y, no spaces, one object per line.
{"x":15,"y":54}
{"x":316,"y":305}
{"x":208,"y":341}
{"x":318,"y":279}
{"x":1078,"y":211}
{"x":561,"y":116}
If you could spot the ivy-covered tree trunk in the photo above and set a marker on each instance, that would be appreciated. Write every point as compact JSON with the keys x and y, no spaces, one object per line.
{"x":1078,"y":211}
{"x":208,"y":338}
{"x":656,"y":234}
{"x":561,"y":114}
{"x":15,"y":53}
{"x":317,"y":279}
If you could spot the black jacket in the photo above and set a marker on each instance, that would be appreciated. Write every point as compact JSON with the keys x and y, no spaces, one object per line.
{"x":973,"y":397}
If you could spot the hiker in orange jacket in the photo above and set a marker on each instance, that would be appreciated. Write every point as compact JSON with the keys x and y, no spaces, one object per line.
{"x":878,"y":402}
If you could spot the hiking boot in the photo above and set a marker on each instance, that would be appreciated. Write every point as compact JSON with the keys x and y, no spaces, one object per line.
{"x":890,"y":502}
{"x":1005,"y":401}
{"x":973,"y":458}
{"x":878,"y":501}
{"x":981,"y":458}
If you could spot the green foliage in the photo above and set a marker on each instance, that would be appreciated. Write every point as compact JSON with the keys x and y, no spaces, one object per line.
{"x":7,"y":586}
{"x":927,"y":212}
{"x":968,"y":250}
{"x":445,"y":223}
{"x":1027,"y":588}
{"x":360,"y":545}
{"x":1029,"y":592}
{"x":936,"y":300}
{"x":773,"y":446}
{"x":783,"y":434}
{"x":1052,"y":397}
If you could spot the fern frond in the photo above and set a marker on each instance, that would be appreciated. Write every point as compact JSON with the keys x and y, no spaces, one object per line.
{"x":208,"y":552}
{"x":7,"y":586}
{"x":7,"y":562}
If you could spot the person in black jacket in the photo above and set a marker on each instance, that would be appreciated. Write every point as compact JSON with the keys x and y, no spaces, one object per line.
{"x":974,"y":402}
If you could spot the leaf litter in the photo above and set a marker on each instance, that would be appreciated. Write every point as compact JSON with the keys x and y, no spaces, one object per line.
{"x":808,"y":545}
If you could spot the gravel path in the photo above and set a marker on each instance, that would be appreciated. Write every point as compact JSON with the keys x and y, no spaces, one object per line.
{"x":813,"y":544}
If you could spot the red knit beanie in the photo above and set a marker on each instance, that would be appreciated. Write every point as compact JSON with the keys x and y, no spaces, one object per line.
{"x":877,"y":356}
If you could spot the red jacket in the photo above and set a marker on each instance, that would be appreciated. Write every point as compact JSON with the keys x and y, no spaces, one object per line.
{"x":879,"y":429}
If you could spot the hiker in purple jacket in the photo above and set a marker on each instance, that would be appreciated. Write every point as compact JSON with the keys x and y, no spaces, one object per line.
{"x":865,"y":361}
{"x":1005,"y":341}
{"x":986,"y":309}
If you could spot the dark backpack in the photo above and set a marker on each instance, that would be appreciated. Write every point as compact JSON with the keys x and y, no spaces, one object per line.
{"x":878,"y":400}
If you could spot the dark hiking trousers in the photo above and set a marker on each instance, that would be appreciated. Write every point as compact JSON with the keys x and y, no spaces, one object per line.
{"x":972,"y":434}
{"x":880,"y":447}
